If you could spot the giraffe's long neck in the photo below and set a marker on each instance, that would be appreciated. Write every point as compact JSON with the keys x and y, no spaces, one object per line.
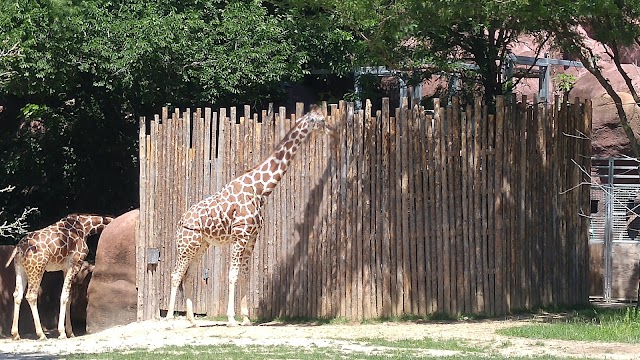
{"x":268,"y":174}
{"x":98,"y":223}
{"x":88,"y":224}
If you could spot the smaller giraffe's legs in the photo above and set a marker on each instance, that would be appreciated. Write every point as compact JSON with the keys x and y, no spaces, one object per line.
{"x":18,"y":294}
{"x":65,"y":304}
{"x":32,"y":298}
{"x":67,"y":322}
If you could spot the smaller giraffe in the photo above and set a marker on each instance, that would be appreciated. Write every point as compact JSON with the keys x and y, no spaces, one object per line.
{"x":61,"y":246}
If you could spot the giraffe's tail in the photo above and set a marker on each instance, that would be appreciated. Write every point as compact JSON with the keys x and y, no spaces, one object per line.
{"x":13,"y":255}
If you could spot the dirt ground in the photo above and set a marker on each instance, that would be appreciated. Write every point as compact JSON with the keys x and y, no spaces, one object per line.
{"x":157,"y":333}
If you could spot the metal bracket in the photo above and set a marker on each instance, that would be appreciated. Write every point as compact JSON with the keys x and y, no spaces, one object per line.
{"x":153,"y":256}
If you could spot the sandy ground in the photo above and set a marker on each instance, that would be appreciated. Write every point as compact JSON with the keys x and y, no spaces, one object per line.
{"x":157,"y":333}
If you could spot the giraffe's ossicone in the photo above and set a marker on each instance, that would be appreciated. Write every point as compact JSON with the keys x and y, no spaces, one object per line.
{"x":58,"y":247}
{"x":233,"y":216}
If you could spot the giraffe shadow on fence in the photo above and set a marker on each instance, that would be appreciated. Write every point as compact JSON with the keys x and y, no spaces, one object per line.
{"x":289,"y":301}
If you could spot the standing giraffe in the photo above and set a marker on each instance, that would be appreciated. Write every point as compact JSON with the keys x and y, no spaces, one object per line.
{"x":233,"y":216}
{"x":61,"y":246}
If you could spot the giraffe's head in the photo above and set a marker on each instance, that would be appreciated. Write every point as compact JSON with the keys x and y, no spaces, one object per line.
{"x":316,"y":120}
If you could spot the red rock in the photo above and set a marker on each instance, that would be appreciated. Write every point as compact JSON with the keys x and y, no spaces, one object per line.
{"x":608,"y":139}
{"x":112,"y":291}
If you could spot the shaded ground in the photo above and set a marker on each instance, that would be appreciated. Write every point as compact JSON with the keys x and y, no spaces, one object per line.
{"x":157,"y":333}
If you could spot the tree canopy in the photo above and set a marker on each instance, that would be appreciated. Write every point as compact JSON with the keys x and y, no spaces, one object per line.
{"x":422,"y":37}
{"x":75,"y":77}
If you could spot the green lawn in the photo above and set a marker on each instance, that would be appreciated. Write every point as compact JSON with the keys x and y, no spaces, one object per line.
{"x":590,"y":324}
{"x":391,"y":351}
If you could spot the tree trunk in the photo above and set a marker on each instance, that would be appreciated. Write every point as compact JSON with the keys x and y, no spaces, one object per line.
{"x":622,"y":114}
{"x":615,"y":52}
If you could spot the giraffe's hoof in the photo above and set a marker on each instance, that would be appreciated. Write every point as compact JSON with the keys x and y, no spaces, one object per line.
{"x":16,"y":337}
{"x":246,"y":322}
{"x":42,"y":337}
{"x":232,"y":324}
{"x":194,"y":324}
{"x":62,"y":336}
{"x":72,"y":335}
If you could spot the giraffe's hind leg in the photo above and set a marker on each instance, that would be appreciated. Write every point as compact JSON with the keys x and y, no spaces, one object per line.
{"x":241,"y":251}
{"x":189,"y":243}
{"x":18,"y":294}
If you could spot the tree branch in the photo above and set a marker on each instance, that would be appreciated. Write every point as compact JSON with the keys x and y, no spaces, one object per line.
{"x":18,"y":226}
{"x":588,"y":60}
{"x":615,"y":55}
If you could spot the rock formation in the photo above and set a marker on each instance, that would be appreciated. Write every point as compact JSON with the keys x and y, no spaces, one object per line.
{"x":112,"y":292}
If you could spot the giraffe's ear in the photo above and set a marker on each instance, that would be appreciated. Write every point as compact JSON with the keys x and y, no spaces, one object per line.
{"x":316,"y":110}
{"x":328,"y":129}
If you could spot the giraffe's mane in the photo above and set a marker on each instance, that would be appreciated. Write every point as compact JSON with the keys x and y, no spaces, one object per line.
{"x":273,"y":149}
{"x":87,"y":214}
{"x":315,"y":109}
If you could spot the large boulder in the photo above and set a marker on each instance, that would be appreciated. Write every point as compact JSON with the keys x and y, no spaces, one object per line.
{"x":588,"y":87}
{"x":608,"y":139}
{"x":112,"y":291}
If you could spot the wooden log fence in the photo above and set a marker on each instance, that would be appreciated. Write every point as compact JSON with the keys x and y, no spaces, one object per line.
{"x":465,"y":211}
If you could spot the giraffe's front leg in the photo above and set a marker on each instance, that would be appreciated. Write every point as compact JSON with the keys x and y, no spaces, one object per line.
{"x":233,"y":280}
{"x":244,"y":309}
{"x":34,"y":278}
{"x":244,"y":276}
{"x":65,"y":303}
{"x":32,"y":298}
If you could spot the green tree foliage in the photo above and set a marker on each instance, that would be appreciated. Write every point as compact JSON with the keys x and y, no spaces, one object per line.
{"x":75,"y":76}
{"x":424,"y":37}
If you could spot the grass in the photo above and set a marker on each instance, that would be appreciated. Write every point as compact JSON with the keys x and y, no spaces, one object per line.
{"x":392,"y":350}
{"x":425,"y":343}
{"x":430,"y":317}
{"x":588,"y":324}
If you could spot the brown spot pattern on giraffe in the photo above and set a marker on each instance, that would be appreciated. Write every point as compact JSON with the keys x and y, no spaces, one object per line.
{"x":60,"y":246}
